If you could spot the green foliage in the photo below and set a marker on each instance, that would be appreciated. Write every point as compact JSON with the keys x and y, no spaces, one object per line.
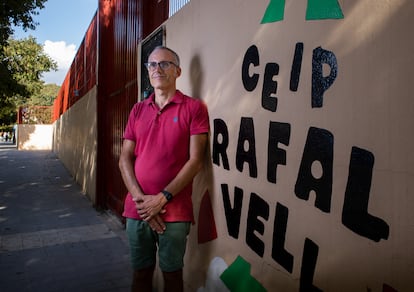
{"x":8,"y":113}
{"x":46,"y":95}
{"x":22,"y":62}
{"x":26,"y":62}
{"x":17,"y":13}
{"x":38,"y":108}
{"x":6,"y":129}
{"x":37,"y":114}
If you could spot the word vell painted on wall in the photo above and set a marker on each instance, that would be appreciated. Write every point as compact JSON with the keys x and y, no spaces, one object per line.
{"x":318,"y":148}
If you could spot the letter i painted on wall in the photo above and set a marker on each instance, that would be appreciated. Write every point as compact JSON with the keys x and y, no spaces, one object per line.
{"x":316,"y":10}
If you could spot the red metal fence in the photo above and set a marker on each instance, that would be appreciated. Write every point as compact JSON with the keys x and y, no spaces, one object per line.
{"x":81,"y":76}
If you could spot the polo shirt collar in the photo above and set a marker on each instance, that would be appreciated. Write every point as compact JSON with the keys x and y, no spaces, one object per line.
{"x":177,"y":98}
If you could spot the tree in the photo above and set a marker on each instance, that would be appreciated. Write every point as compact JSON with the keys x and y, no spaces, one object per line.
{"x":17,"y":13}
{"x":26,"y":62}
{"x":46,"y":96}
{"x":8,"y":114}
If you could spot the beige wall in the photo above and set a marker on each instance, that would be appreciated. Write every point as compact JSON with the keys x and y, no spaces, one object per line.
{"x":34,"y":137}
{"x":369,"y":106}
{"x":75,"y":139}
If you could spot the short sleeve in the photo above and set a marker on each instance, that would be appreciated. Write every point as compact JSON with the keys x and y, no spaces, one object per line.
{"x":200,"y":120}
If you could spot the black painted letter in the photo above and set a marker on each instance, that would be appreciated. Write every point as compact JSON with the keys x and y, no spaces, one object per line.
{"x":310,"y":256}
{"x":246,"y":134}
{"x":296,"y":67}
{"x":354,"y":213}
{"x":318,"y":147}
{"x":257,"y":207}
{"x":320,"y":83}
{"x":232,"y":214}
{"x":220,"y":128}
{"x":279,"y":254}
{"x":278,"y":133}
{"x":251,"y":57}
{"x":269,"y":102}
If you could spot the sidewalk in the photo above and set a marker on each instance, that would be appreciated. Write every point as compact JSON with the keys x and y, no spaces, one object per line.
{"x":51,"y":238}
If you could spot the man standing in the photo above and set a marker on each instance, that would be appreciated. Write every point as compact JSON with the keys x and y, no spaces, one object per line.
{"x":163,"y":149}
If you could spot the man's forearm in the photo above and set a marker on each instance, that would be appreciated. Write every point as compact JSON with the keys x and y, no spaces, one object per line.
{"x":126,"y":167}
{"x":184,"y":177}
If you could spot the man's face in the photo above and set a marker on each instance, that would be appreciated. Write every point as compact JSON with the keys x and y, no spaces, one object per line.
{"x":163,"y":78}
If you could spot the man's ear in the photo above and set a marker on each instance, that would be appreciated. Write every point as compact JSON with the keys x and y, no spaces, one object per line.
{"x":177,"y":72}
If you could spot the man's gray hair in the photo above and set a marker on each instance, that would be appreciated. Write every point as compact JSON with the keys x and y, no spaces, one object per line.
{"x":176,"y":57}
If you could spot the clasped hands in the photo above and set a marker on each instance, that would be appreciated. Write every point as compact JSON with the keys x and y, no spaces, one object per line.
{"x":149,"y":209}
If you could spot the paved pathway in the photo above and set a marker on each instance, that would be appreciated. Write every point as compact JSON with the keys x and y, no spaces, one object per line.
{"x":51,"y":238}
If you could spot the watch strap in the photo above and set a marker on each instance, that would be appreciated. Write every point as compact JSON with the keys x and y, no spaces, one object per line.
{"x":167,"y":195}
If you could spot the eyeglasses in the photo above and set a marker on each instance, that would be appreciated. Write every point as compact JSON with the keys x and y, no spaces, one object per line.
{"x":164,"y":65}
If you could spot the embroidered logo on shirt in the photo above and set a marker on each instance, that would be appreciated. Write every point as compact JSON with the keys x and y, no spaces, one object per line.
{"x":175,"y":119}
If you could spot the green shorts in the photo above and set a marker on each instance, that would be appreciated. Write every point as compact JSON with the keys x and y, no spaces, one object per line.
{"x":143,"y":242}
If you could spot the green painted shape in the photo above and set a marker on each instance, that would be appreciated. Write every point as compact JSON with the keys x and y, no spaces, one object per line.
{"x":323,"y":9}
{"x":238,"y":279}
{"x":274,"y":11}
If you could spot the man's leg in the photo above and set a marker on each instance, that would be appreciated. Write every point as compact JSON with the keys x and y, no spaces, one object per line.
{"x":142,"y":280}
{"x":173,"y":281}
{"x":171,"y":254}
{"x":143,"y":245}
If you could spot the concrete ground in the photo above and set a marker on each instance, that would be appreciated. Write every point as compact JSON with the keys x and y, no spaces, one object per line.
{"x":51,"y":237}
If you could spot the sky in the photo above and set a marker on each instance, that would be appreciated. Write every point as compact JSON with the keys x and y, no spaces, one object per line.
{"x":62,"y":25}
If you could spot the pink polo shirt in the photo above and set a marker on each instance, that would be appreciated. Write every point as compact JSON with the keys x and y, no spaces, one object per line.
{"x":162,"y":148}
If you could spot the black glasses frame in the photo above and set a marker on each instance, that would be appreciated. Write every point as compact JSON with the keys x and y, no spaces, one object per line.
{"x":164,"y":65}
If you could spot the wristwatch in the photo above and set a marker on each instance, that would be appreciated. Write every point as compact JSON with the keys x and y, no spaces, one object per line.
{"x":167,"y":195}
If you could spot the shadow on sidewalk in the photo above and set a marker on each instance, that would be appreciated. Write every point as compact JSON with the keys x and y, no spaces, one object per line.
{"x":51,"y":238}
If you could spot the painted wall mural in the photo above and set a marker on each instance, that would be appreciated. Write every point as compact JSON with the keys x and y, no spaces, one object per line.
{"x":319,"y":148}
{"x":279,"y":211}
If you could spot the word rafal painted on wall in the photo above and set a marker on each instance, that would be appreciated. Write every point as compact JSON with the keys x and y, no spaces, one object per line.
{"x":316,"y":10}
